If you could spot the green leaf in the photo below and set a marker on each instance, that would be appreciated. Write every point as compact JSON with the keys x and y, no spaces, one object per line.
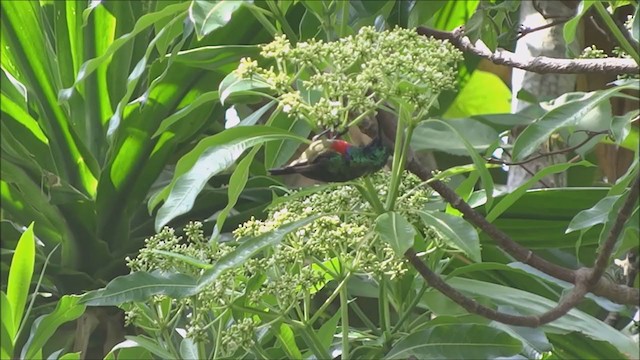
{"x":141,"y":286}
{"x":151,"y":345}
{"x":233,"y":88}
{"x":571,"y":27}
{"x":277,"y":153}
{"x":207,"y":16}
{"x":395,"y":230}
{"x":20,"y":274}
{"x":512,"y":197}
{"x":248,"y":248}
{"x":422,"y":11}
{"x":456,"y":341}
{"x":169,"y":121}
{"x":437,"y":136}
{"x":571,"y":113}
{"x":129,"y":349}
{"x":187,"y":259}
{"x":456,"y":231}
{"x":71,"y":356}
{"x":288,"y":340}
{"x":598,"y":214}
{"x":8,"y":330}
{"x":144,"y":22}
{"x":478,"y":161}
{"x":527,"y":303}
{"x":214,"y":57}
{"x":211,"y":156}
{"x":237,"y":182}
{"x":43,"y":328}
{"x":189,"y":349}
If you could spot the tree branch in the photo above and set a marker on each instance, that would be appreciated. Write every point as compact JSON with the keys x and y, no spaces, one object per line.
{"x":539,"y":64}
{"x":604,"y":255}
{"x":602,"y":287}
{"x":590,"y":135}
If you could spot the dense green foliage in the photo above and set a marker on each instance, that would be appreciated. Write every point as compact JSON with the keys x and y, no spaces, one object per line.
{"x":119,"y":118}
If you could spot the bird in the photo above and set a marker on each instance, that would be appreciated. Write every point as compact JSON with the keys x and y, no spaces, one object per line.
{"x":336,"y":160}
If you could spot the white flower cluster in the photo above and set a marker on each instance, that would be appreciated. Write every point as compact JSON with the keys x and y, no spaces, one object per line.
{"x":355,"y":74}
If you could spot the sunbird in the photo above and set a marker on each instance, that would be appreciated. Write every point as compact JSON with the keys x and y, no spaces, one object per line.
{"x":336,"y":160}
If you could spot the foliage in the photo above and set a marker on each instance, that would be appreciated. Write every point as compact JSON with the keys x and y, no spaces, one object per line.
{"x":16,"y":314}
{"x":91,"y":95}
{"x":110,"y":106}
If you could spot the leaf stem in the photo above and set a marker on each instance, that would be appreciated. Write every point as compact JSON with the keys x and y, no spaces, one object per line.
{"x":344,"y":310}
{"x":403,"y":141}
{"x":373,"y":198}
{"x":606,"y":17}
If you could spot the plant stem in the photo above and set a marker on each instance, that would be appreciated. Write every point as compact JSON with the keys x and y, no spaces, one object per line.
{"x":344,"y":310}
{"x":410,"y":308}
{"x":373,"y":198}
{"x":333,"y":295}
{"x":606,"y":17}
{"x":365,"y":319}
{"x":403,"y":142}
{"x":314,"y":343}
{"x":396,"y":163}
{"x":383,"y":306}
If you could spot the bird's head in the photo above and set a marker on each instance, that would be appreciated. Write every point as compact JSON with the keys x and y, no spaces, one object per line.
{"x":319,"y":147}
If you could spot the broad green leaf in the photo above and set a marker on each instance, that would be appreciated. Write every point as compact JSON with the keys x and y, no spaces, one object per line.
{"x":485,"y":94}
{"x":237,"y":182}
{"x":31,"y":60}
{"x":169,"y":121}
{"x":214,"y":57}
{"x":207,"y":16}
{"x":465,"y":189}
{"x":71,"y":356}
{"x":248,"y":248}
{"x":598,"y":214}
{"x":138,"y":74}
{"x":576,"y":345}
{"x":189,"y":349}
{"x":256,"y":115}
{"x":630,"y":235}
{"x":422,"y":11}
{"x":20,"y":274}
{"x":478,"y":161}
{"x":151,"y":345}
{"x":621,"y":126}
{"x":566,"y":286}
{"x":437,"y":136}
{"x":277,"y":153}
{"x":43,"y":328}
{"x":527,"y":303}
{"x":128,"y":349}
{"x":512,"y":197}
{"x":187,"y":259}
{"x":211,"y":156}
{"x":571,"y":113}
{"x":288,"y":340}
{"x":571,"y":27}
{"x":8,"y":330}
{"x":456,"y":341}
{"x":144,"y":22}
{"x":233,"y":88}
{"x":328,"y":330}
{"x":456,"y":232}
{"x":396,"y":231}
{"x":141,"y":286}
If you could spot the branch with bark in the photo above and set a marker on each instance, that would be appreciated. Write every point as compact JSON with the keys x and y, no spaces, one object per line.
{"x":538,"y":64}
{"x":584,"y":279}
